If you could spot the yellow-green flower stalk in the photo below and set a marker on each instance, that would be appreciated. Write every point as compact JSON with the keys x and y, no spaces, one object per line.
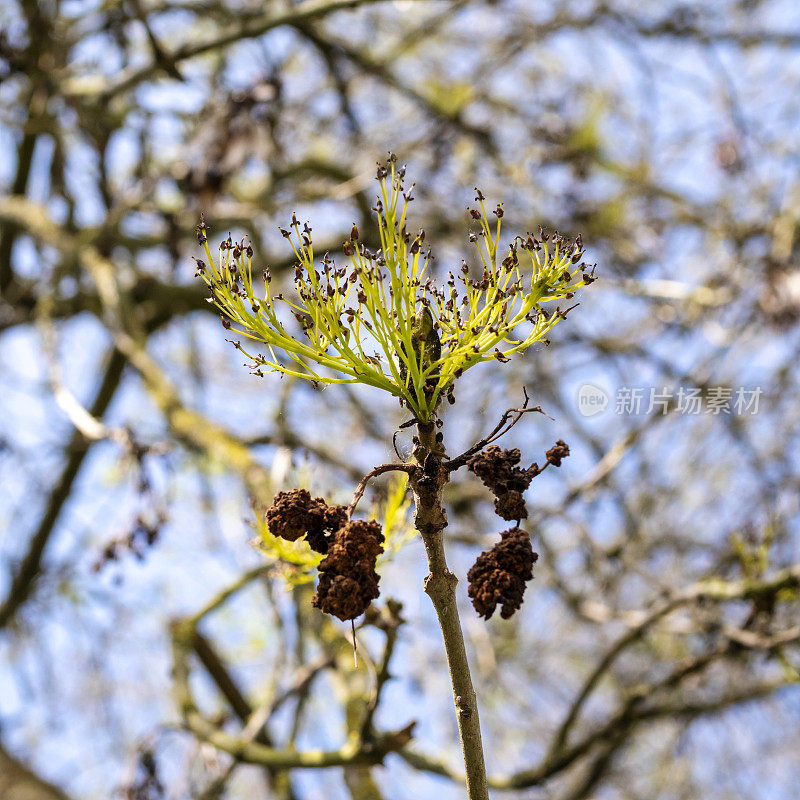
{"x":381,"y":320}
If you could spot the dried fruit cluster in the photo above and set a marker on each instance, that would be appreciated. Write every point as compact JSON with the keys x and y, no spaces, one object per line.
{"x":295,"y":513}
{"x":559,"y":451}
{"x":348,"y":582}
{"x":498,"y":470}
{"x":499,"y":575}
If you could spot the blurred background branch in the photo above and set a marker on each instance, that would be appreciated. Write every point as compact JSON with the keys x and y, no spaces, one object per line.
{"x":657,"y":651}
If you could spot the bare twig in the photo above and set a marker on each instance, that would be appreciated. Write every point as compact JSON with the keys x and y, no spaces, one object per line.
{"x":509,"y":419}
{"x":246,"y":748}
{"x":390,"y":623}
{"x":17,"y":780}
{"x":374,"y":473}
{"x":303,"y":12}
{"x":712,"y":589}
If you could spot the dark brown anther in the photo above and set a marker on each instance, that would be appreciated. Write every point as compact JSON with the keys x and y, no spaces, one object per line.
{"x":201,"y":231}
{"x":500,"y":357}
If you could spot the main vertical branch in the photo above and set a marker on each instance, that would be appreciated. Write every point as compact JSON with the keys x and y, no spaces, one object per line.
{"x":440,"y":585}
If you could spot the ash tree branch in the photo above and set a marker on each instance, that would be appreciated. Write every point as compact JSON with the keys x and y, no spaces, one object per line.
{"x":409,"y":469}
{"x":508,"y":420}
{"x":28,"y":570}
{"x":430,"y":520}
{"x":244,"y":748}
{"x":714,"y":589}
{"x":641,"y":704}
{"x":188,"y":426}
{"x":302,"y":12}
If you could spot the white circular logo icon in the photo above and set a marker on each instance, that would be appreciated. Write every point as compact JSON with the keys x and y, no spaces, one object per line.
{"x":591,"y":400}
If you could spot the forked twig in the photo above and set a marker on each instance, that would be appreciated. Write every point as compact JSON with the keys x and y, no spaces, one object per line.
{"x":509,"y":419}
{"x":373,"y":473}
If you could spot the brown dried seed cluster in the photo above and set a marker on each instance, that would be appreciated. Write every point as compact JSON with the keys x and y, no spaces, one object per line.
{"x":498,"y":469}
{"x":295,"y":513}
{"x":498,"y":576}
{"x":324,"y":525}
{"x":559,"y":451}
{"x":511,"y":506}
{"x":288,"y":516}
{"x":348,"y":582}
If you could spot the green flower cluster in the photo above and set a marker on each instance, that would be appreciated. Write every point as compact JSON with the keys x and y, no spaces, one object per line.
{"x":381,"y":320}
